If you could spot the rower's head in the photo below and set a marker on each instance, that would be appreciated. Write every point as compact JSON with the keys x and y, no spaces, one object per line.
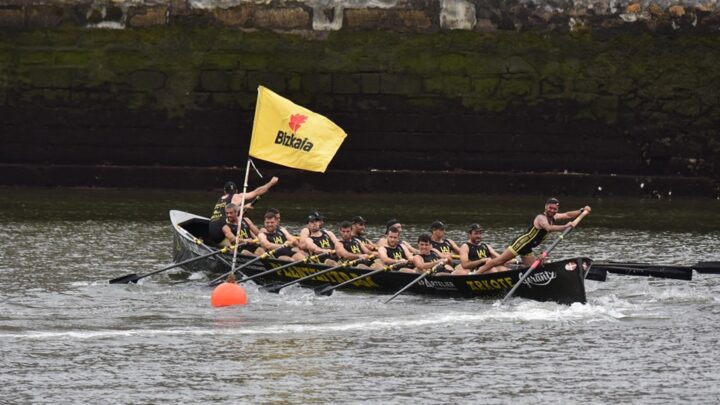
{"x":271,"y":222}
{"x":315,"y":221}
{"x":358,"y":225}
{"x":393,"y":223}
{"x":275,"y":212}
{"x":475,"y":233}
{"x":552,"y":205}
{"x":424,"y":244}
{"x":230,"y":187}
{"x":392,"y":236}
{"x":231,"y":212}
{"x":345,"y":230}
{"x":437,"y":228}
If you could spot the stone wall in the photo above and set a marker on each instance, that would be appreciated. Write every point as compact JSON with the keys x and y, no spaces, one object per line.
{"x":540,"y":86}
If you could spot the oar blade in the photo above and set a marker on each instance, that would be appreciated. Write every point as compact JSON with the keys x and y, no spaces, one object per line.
{"x":126,"y":279}
{"x":707,"y":267}
{"x":596,"y":274}
{"x":324,"y":290}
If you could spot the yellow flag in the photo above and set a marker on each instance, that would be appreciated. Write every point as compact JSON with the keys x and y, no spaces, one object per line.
{"x":290,"y":135}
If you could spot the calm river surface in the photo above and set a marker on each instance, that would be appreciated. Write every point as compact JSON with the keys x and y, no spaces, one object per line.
{"x":67,"y":336}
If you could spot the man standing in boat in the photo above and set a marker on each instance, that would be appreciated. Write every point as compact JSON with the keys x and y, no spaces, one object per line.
{"x":217,"y":219}
{"x":393,"y":252}
{"x":542,"y":225}
{"x":474,"y":253}
{"x":272,"y":237}
{"x":350,"y":247}
{"x":358,"y":232}
{"x":248,"y":231}
{"x":314,"y":239}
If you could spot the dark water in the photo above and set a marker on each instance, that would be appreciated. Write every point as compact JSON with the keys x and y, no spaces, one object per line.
{"x":66,"y":336}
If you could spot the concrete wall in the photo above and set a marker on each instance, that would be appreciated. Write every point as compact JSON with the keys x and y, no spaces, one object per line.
{"x":594,"y":87}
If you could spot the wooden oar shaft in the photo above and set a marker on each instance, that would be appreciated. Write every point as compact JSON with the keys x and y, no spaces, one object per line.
{"x":237,"y":270}
{"x":276,"y":269}
{"x":417,"y":280}
{"x":544,"y":254}
{"x":132,"y":277}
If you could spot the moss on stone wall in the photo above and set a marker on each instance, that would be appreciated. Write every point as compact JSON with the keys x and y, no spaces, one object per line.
{"x":662,"y":91}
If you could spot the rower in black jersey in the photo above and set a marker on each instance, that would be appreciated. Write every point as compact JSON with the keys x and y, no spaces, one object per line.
{"x":393,"y":252}
{"x":446,"y":246}
{"x":314,"y":239}
{"x":394,"y":223}
{"x":279,"y":240}
{"x":231,"y":195}
{"x":542,"y":224}
{"x":248,"y":231}
{"x":430,"y":257}
{"x":474,"y":253}
{"x":350,"y":247}
{"x":358,"y":232}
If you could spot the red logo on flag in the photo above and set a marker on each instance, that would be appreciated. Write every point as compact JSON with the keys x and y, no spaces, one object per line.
{"x":296,"y":121}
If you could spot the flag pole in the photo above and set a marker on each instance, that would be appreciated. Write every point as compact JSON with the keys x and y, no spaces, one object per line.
{"x":242,"y":211}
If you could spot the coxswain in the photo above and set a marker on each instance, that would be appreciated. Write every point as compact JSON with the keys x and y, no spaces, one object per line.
{"x":393,"y":252}
{"x":429,"y":257}
{"x":231,"y":195}
{"x":350,"y":247}
{"x":272,"y":237}
{"x":446,"y":246}
{"x":542,"y":225}
{"x":247,"y":235}
{"x":474,"y":253}
{"x":358,"y":231}
{"x":315,"y":240}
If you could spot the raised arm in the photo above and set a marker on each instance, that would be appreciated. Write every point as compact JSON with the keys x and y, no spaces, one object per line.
{"x":572,"y":214}
{"x":237,"y":198}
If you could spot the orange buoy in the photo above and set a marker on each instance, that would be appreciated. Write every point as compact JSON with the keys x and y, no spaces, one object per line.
{"x":227,"y":294}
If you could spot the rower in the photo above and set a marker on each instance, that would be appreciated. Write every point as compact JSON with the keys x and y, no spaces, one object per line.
{"x":272,"y":237}
{"x":217,"y":219}
{"x":394,"y":223}
{"x":430,"y":257}
{"x":358,"y":231}
{"x":248,"y":231}
{"x":474,"y":253}
{"x":314,"y":239}
{"x":393,"y":252}
{"x":447,"y":247}
{"x":350,"y":247}
{"x":543,"y":224}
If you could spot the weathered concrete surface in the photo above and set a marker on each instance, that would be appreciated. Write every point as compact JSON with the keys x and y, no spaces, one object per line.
{"x":605,"y":88}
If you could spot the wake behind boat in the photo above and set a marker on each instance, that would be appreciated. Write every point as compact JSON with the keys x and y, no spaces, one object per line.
{"x":561,"y":281}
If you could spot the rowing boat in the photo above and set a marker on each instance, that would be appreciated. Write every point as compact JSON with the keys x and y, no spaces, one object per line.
{"x":561,"y":281}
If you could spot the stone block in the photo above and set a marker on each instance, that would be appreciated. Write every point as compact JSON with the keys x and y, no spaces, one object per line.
{"x":214,"y":80}
{"x":273,"y":81}
{"x":234,"y":16}
{"x":282,"y":18}
{"x":389,"y":19}
{"x":238,"y":81}
{"x":148,"y":17}
{"x":12,"y":17}
{"x":147,"y":80}
{"x":346,"y":83}
{"x":400,"y":84}
{"x":317,"y":83}
{"x":449,"y":85}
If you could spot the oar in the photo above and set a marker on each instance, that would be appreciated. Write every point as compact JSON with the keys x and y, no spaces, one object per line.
{"x":544,"y":254}
{"x":657,"y":271}
{"x":132,"y":278}
{"x":218,"y":280}
{"x":346,"y":264}
{"x":327,"y":290}
{"x":222,"y":259}
{"x":707,"y":267}
{"x":284,"y":266}
{"x":412,"y":283}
